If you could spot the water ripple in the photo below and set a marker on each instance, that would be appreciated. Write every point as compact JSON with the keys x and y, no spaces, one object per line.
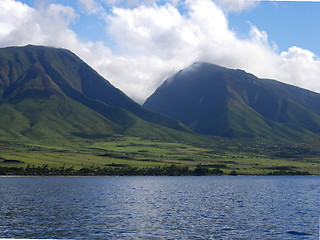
{"x":160,"y":207}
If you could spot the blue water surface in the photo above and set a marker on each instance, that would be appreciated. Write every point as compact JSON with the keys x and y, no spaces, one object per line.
{"x":160,"y":207}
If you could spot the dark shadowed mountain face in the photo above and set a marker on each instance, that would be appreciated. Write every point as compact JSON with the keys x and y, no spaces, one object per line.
{"x":218,"y":101}
{"x":49,"y":91}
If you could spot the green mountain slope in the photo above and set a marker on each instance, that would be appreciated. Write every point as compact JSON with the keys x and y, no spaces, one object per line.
{"x":49,"y":93}
{"x":219,"y":101}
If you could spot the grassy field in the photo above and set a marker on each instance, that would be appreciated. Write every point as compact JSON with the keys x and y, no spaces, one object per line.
{"x":227,"y":155}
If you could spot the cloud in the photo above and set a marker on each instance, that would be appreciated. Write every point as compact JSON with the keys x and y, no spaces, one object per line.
{"x":11,"y":13}
{"x":237,"y":5}
{"x":22,"y":25}
{"x":240,"y":5}
{"x":90,"y":6}
{"x":135,"y":3}
{"x":289,"y":0}
{"x":301,"y":68}
{"x":153,"y":41}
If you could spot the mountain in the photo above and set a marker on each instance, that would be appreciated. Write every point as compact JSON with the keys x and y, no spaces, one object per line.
{"x":214,"y":100}
{"x":50,"y":93}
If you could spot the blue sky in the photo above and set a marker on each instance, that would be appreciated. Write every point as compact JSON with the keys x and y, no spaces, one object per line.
{"x":286,"y":23}
{"x":136,"y":44}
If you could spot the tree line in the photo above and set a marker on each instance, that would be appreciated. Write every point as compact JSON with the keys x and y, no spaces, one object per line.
{"x":167,"y":170}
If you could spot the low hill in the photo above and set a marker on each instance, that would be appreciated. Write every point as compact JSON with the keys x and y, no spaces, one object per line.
{"x":214,"y":100}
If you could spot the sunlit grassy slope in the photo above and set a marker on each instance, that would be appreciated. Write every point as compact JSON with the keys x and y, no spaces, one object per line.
{"x":229,"y":156}
{"x":36,"y":72}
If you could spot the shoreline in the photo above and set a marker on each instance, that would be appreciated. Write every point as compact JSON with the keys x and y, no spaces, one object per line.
{"x":167,"y":170}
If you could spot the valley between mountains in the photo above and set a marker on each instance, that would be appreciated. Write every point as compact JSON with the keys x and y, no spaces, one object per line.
{"x":60,"y":117}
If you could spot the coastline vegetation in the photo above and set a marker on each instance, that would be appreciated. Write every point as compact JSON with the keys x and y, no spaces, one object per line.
{"x":124,"y":156}
{"x":115,"y":170}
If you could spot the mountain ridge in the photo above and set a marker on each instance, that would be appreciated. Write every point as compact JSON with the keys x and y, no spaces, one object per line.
{"x":214,"y":100}
{"x":32,"y":77}
{"x":50,"y":91}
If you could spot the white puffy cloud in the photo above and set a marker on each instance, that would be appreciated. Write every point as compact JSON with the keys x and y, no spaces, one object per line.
{"x":301,"y":68}
{"x":153,"y":41}
{"x":148,"y":30}
{"x":298,"y":54}
{"x":12,"y":14}
{"x":21,"y":25}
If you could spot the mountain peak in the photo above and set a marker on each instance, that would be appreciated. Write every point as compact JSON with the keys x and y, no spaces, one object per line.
{"x":215,"y":100}
{"x":51,"y":88}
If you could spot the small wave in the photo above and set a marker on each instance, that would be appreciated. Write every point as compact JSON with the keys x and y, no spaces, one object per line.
{"x":227,"y":229}
{"x":298,"y":233}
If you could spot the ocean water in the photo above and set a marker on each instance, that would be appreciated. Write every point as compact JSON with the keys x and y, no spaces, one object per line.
{"x":241,"y":207}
